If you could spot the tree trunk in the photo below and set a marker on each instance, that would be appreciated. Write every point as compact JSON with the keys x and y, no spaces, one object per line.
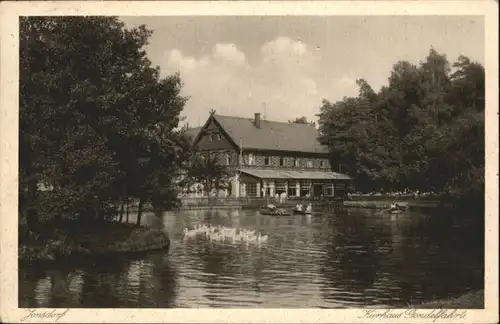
{"x":32,"y":219}
{"x":122,"y":208}
{"x":127,"y":214}
{"x":139,"y":212}
{"x":124,"y":197}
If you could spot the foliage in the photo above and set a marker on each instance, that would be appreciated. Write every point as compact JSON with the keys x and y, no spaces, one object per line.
{"x":209,"y":171}
{"x":302,"y":120}
{"x":423,"y":131}
{"x":97,"y":122}
{"x":69,"y":239}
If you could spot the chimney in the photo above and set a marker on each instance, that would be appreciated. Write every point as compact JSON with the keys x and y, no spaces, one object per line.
{"x":257,"y":120}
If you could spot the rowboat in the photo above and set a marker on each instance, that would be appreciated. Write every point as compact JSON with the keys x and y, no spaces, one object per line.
{"x":396,"y":211}
{"x":301,"y":212}
{"x":276,"y":212}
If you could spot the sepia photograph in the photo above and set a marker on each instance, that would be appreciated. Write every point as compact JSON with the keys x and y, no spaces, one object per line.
{"x":251,"y":162}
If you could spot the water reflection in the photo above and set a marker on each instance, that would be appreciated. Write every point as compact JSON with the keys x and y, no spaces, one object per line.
{"x":346,"y":259}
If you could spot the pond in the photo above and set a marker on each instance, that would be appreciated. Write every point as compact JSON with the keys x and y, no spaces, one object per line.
{"x":353,"y":258}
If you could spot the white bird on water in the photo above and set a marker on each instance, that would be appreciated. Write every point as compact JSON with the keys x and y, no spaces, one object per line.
{"x":262,"y":238}
{"x":187,"y":233}
{"x":223,"y":233}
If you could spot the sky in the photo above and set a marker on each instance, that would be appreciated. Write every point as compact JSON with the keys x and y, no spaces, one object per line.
{"x":283,"y":67}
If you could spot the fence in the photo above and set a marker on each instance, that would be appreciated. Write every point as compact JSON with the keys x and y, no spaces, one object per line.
{"x":240,"y":202}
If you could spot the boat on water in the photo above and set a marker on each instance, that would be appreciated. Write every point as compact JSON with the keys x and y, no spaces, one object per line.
{"x":302,"y":212}
{"x":274,"y":212}
{"x":396,"y":209}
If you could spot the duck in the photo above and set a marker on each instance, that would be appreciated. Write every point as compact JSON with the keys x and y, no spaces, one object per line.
{"x":219,"y":236}
{"x":188,"y":233}
{"x":199,"y":228}
{"x":248,"y":232}
{"x":262,"y":238}
{"x":250,"y":238}
{"x":236,"y":237}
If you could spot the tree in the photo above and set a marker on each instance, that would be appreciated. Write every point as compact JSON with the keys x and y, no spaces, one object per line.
{"x":209,"y":171}
{"x":424,"y":130}
{"x":302,"y":120}
{"x":89,"y":103}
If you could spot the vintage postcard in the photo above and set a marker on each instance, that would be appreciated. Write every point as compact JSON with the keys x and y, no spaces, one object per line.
{"x":234,"y":162}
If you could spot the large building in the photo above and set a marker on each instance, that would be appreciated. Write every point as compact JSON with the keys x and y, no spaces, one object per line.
{"x":270,"y":158}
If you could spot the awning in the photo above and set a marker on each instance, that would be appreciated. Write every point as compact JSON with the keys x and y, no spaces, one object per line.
{"x":299,"y":175}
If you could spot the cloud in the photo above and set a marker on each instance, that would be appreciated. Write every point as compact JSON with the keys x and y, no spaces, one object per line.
{"x":229,"y":53}
{"x":282,"y":83}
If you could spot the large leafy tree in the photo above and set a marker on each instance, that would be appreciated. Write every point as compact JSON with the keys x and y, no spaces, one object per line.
{"x":208,"y":170}
{"x":89,"y":103}
{"x":424,"y":130}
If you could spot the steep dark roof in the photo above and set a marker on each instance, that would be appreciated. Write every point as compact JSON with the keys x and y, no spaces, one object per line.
{"x":271,"y":135}
{"x":192,"y":132}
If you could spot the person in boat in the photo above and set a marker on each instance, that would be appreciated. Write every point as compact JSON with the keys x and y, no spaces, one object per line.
{"x":298,"y":207}
{"x":395,"y":206}
{"x":309,"y":208}
{"x":271,"y":207}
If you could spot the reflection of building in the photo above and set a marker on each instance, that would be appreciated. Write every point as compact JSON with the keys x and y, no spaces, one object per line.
{"x":269,"y":157}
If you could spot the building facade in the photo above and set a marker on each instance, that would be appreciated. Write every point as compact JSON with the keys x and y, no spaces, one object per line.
{"x":270,"y":158}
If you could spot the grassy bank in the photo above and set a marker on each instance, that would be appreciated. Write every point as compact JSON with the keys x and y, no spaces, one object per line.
{"x":470,"y":300}
{"x":70,"y":239}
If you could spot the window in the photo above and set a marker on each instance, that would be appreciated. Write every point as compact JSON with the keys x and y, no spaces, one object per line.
{"x":251,"y":190}
{"x":292,"y":189}
{"x":322,"y":164}
{"x":218,"y":137}
{"x":341,"y":185}
{"x":267,"y":160}
{"x":309,"y":163}
{"x":280,"y":187}
{"x":250,"y":159}
{"x":266,"y":186}
{"x":296,"y":162}
{"x":341,"y":189}
{"x":305,"y":188}
{"x":328,"y":190}
{"x":227,"y":159}
{"x":282,"y":161}
{"x":210,"y":137}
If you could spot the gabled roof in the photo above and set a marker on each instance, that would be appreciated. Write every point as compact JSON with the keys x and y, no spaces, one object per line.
{"x":192,"y":132}
{"x":271,"y":135}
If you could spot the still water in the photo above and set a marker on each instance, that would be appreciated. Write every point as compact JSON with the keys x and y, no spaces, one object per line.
{"x":354,"y":258}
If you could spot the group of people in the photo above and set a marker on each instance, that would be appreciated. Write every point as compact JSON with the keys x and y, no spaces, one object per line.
{"x":299,"y":207}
